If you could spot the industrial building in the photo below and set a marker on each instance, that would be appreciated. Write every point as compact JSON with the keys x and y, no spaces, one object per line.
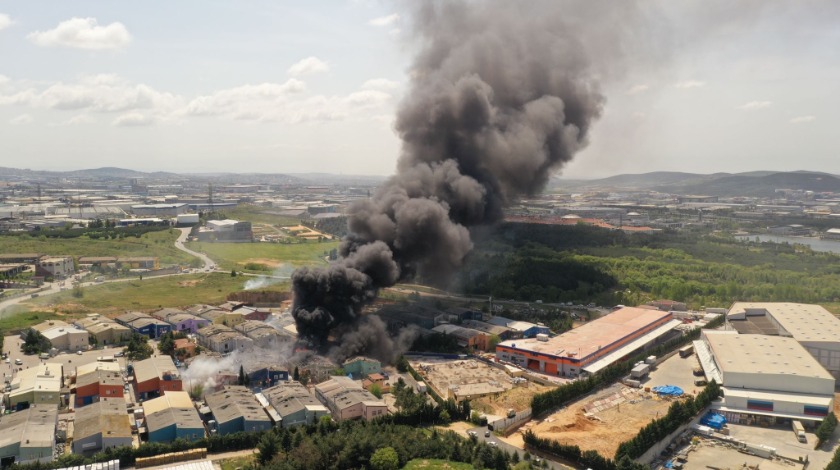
{"x":223,"y":339}
{"x":67,"y":338}
{"x":293,"y":404}
{"x":37,"y":385}
{"x":144,"y":324}
{"x":592,"y":346}
{"x":523,"y":329}
{"x":814,"y":327}
{"x":172,"y":416}
{"x":181,"y":320}
{"x":101,"y":425}
{"x":226,"y":230}
{"x":346,"y":399}
{"x":28,"y":436}
{"x":264,"y":335}
{"x":361,"y":366}
{"x":103,"y":330}
{"x":98,"y":380}
{"x":765,"y":376}
{"x":464,"y":337}
{"x":235,"y":409}
{"x":155,"y":376}
{"x":161,"y":210}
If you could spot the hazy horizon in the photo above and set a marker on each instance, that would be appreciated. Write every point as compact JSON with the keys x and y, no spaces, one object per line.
{"x":704,"y":87}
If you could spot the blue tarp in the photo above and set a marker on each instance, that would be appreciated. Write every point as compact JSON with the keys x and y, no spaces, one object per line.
{"x":671,"y":390}
{"x":713,"y":420}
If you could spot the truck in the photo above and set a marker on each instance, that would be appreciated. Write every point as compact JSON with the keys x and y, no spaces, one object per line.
{"x":640,"y":371}
{"x":686,"y":351}
{"x":799,"y":430}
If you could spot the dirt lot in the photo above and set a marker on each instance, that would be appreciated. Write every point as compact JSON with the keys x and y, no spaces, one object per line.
{"x":616,"y":415}
{"x":517,"y":398}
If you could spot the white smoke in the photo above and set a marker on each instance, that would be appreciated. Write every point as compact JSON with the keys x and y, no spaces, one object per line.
{"x":281,"y":273}
{"x":206,"y":370}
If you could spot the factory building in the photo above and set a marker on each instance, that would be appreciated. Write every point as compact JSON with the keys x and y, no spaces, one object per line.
{"x":812,"y":326}
{"x":346,"y":399}
{"x":235,"y":409}
{"x":103,"y":330}
{"x":98,"y":380}
{"x":144,"y":324}
{"x":292,"y":404}
{"x":764,"y":375}
{"x":173,"y":416}
{"x":28,"y":436}
{"x":590,"y":347}
{"x":101,"y":425}
{"x":37,"y":385}
{"x":155,"y":376}
{"x":59,"y":267}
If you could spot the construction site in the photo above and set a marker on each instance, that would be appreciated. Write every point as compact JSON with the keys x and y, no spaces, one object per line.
{"x":490,"y":389}
{"x":600,"y":422}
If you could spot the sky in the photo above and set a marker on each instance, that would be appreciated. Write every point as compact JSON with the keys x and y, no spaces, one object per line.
{"x":296,"y":87}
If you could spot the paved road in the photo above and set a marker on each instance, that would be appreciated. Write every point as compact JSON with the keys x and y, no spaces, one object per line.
{"x":179,"y":244}
{"x":51,"y":288}
{"x":482,"y":434}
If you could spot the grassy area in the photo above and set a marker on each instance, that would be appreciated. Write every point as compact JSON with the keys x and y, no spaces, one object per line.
{"x":15,"y":323}
{"x":160,"y":244}
{"x":148,"y":294}
{"x":273,"y":255}
{"x":436,"y":464}
{"x":238,"y":462}
{"x":259,"y":215}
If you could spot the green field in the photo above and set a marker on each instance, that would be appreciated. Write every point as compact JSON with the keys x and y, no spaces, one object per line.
{"x":436,"y":464}
{"x":148,"y":294}
{"x":11,"y":324}
{"x":160,"y":244}
{"x":272,"y":255}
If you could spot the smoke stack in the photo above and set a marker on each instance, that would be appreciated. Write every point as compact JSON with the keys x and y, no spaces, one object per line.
{"x":501,"y":96}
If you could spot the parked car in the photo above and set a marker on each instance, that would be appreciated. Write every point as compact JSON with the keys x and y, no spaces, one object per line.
{"x":18,"y":362}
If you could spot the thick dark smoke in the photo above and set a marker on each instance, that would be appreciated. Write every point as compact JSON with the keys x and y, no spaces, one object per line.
{"x":502,"y":94}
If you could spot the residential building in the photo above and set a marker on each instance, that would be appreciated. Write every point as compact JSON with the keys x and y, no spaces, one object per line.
{"x":28,"y":436}
{"x":361,"y":366}
{"x":37,"y":385}
{"x":172,"y":416}
{"x":293,"y":403}
{"x":101,"y":425}
{"x":98,"y":380}
{"x":59,"y":267}
{"x":156,"y":375}
{"x":346,"y":399}
{"x":235,"y":409}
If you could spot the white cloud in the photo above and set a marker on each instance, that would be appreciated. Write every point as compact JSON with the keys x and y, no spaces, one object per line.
{"x":639,"y":115}
{"x":308,"y":66}
{"x":21,"y":120}
{"x":690,"y":84}
{"x":367,"y":98}
{"x":243,"y":100}
{"x":380,"y":84}
{"x":385,"y":20}
{"x":637,"y":89}
{"x":133,"y":119}
{"x":5,"y":21}
{"x":802,"y":119}
{"x":755,"y":105}
{"x":79,"y":119}
{"x":83,"y":33}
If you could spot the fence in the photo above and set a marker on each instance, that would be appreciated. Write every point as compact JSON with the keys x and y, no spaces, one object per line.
{"x":508,"y":425}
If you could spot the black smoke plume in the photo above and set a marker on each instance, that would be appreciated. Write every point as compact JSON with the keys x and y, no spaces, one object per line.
{"x":501,"y":96}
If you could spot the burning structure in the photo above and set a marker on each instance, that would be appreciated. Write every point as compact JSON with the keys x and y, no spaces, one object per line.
{"x":502,"y":94}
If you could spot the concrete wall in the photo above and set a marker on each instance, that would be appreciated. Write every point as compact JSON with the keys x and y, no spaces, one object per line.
{"x":779,"y":382}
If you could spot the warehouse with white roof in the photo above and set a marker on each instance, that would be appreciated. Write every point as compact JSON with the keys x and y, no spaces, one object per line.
{"x":812,"y":326}
{"x":761,"y":375}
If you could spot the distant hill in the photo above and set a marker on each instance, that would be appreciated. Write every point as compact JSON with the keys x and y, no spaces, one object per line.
{"x":328,"y":178}
{"x":754,"y":183}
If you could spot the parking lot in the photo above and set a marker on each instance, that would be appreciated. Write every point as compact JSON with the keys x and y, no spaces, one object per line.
{"x":784,"y":441}
{"x":677,"y":371}
{"x":69,"y":360}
